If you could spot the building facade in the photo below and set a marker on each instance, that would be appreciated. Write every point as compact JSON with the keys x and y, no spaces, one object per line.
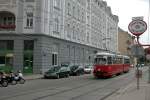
{"x":125,"y":41}
{"x":35,"y":34}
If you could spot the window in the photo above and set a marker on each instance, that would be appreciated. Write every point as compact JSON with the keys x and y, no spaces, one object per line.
{"x":29,"y":23}
{"x":73,"y":11}
{"x":2,"y":60}
{"x":54,"y":59}
{"x":74,"y":33}
{"x":29,"y":0}
{"x":68,"y":31}
{"x":82,"y":17}
{"x":28,"y":45}
{"x":126,"y":61}
{"x":56,"y":25}
{"x":68,"y":9}
{"x":88,"y":20}
{"x":88,"y":3}
{"x":57,"y":4}
{"x":88,"y":37}
{"x":6,"y":44}
{"x":78,"y":14}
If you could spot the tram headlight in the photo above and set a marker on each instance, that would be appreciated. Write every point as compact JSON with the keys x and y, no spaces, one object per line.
{"x":99,"y":70}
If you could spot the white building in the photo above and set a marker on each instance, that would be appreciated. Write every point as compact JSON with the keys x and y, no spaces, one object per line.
{"x":35,"y":34}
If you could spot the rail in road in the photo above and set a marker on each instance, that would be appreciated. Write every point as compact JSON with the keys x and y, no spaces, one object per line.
{"x":70,"y":89}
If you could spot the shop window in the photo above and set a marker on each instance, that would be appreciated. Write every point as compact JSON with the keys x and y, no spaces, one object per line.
{"x":2,"y":60}
{"x":28,"y":45}
{"x":6,"y":44}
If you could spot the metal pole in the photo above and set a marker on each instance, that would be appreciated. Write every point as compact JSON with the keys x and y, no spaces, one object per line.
{"x":138,"y":80}
{"x":148,"y":38}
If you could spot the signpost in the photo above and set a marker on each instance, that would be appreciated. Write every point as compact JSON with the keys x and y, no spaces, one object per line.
{"x":137,"y":27}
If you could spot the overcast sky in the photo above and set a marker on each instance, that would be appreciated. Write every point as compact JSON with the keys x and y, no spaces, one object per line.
{"x":126,"y":9}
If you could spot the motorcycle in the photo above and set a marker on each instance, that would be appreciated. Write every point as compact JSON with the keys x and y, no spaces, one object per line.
{"x":19,"y":79}
{"x":11,"y":80}
{"x":3,"y":82}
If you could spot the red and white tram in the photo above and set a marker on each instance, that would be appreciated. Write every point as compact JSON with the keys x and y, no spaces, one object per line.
{"x":108,"y":64}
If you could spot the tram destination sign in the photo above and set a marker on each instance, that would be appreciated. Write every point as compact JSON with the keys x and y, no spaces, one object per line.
{"x":137,"y":27}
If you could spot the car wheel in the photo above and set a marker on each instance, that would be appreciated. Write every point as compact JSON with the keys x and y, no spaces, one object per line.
{"x":58,"y":76}
{"x":4,"y":83}
{"x":67,"y":75}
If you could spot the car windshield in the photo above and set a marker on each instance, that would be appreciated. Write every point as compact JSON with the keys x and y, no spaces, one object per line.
{"x":88,"y":66}
{"x":73,"y":67}
{"x":53,"y":69}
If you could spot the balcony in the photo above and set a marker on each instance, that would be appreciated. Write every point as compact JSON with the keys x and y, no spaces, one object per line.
{"x":7,"y":21}
{"x":7,"y":26}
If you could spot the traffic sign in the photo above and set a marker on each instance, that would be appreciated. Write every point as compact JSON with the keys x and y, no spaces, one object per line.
{"x":137,"y":27}
{"x":137,"y":51}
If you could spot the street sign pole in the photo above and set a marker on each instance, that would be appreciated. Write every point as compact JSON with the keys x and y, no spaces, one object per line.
{"x":137,"y":27}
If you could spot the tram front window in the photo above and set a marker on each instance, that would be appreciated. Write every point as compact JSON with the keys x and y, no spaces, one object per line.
{"x":101,"y":61}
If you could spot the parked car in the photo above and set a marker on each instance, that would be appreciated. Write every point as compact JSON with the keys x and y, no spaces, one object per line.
{"x":76,"y":70}
{"x":67,"y":66}
{"x":56,"y":72}
{"x":88,"y":69}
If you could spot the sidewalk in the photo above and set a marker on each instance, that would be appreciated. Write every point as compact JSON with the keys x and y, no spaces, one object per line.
{"x":33,"y":76}
{"x":130,"y":92}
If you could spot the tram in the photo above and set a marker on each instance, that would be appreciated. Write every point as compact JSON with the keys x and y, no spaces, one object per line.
{"x":109,"y":64}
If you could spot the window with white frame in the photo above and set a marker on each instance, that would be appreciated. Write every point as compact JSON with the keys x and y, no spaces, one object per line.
{"x":74,"y":32}
{"x":88,"y":37}
{"x":29,"y":21}
{"x":73,"y":11}
{"x":57,"y":4}
{"x":56,"y":25}
{"x":68,"y":9}
{"x":68,"y":31}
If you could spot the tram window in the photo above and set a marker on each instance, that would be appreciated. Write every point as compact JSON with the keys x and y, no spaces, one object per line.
{"x":126,"y":61}
{"x":100,"y":61}
{"x":109,"y":60}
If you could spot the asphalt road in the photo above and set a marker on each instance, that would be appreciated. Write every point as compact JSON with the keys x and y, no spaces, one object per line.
{"x":84,"y":87}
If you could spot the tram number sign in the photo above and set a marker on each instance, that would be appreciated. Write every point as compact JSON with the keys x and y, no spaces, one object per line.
{"x":137,"y":27}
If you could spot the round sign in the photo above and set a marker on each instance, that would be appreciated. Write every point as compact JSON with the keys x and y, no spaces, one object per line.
{"x":137,"y":27}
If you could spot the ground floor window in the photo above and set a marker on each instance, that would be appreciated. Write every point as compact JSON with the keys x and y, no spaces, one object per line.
{"x":54,"y":59}
{"x":28,"y":62}
{"x":6,"y":63}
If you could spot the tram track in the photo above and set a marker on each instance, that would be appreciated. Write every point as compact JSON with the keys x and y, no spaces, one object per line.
{"x":85,"y":83}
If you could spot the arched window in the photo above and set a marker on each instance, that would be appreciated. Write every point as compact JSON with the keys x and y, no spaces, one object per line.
{"x":7,"y":20}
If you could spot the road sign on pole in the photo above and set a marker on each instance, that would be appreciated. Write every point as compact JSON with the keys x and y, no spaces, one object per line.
{"x":137,"y":27}
{"x":137,"y":51}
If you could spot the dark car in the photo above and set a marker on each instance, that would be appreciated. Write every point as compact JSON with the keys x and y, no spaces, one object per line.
{"x":56,"y":72}
{"x":76,"y":70}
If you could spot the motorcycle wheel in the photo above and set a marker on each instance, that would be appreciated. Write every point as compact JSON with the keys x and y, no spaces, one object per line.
{"x":4,"y":83}
{"x":13,"y":82}
{"x":22,"y":81}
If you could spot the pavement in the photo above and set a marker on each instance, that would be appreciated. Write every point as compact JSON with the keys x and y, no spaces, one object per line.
{"x":131,"y":91}
{"x":33,"y":76}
